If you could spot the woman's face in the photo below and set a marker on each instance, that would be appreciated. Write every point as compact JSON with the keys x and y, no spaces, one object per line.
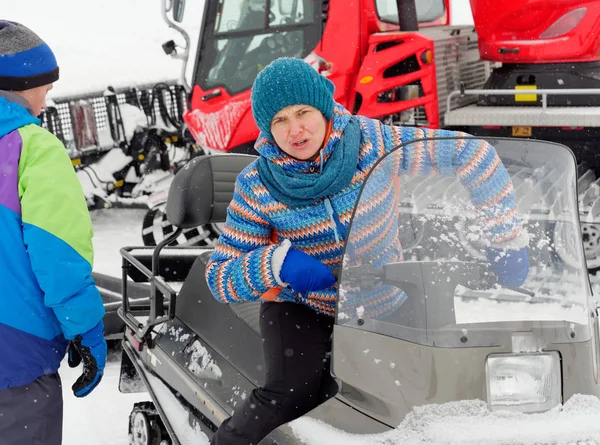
{"x":299,"y":130}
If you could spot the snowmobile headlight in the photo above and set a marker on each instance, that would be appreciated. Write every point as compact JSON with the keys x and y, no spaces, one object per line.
{"x":523,"y":382}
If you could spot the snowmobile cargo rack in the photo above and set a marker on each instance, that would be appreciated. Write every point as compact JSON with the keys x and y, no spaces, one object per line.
{"x":91,"y":124}
{"x":215,"y":176}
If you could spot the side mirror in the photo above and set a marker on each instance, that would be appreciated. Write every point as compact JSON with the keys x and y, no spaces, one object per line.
{"x":178,"y":10}
{"x":287,"y":7}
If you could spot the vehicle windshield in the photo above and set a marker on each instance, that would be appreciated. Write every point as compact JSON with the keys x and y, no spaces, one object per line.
{"x":245,"y":37}
{"x":427,"y":10}
{"x":415,"y":263}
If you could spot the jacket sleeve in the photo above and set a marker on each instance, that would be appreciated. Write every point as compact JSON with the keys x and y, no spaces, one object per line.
{"x":479,"y":168}
{"x":240,"y":267}
{"x":57,"y":232}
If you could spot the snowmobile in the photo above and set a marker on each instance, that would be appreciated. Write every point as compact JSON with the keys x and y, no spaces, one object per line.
{"x":457,"y":336}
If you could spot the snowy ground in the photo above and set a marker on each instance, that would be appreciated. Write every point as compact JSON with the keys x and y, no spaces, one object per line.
{"x":103,"y":416}
{"x":114,"y":229}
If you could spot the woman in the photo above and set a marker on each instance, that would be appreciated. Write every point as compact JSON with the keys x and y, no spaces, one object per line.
{"x":288,"y":219}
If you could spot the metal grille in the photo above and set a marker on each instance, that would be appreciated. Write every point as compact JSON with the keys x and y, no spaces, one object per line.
{"x":414,"y":117}
{"x":135,"y":96}
{"x":457,"y":63}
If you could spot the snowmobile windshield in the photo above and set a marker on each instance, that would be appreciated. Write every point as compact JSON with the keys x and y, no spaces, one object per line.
{"x":416,"y":260}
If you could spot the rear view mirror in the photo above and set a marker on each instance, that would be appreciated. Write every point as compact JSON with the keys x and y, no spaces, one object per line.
{"x":178,"y":10}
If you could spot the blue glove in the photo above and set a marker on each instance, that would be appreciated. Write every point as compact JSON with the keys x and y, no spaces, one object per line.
{"x":511,"y":266}
{"x":304,"y":273}
{"x":91,"y":349}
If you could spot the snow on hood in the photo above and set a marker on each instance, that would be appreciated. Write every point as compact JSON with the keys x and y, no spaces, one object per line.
{"x":13,"y":116}
{"x":268,"y":149}
{"x":471,"y":423}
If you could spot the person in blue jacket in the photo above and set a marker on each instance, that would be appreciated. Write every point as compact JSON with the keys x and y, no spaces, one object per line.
{"x":48,"y":299}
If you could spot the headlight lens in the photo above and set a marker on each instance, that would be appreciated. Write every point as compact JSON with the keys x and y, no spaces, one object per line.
{"x":523,"y":382}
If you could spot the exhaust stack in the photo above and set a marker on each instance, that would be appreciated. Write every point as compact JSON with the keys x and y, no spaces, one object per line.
{"x":407,"y":15}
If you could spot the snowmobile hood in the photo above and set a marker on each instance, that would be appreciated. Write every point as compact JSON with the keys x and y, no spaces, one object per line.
{"x":13,"y":115}
{"x":268,"y":149}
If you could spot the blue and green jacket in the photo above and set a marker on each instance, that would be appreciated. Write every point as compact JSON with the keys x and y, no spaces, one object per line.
{"x":47,"y":294}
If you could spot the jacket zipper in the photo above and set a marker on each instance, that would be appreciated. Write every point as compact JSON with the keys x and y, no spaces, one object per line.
{"x":337,"y":224}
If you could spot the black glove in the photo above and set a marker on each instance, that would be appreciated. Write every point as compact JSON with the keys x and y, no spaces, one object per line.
{"x":91,"y":349}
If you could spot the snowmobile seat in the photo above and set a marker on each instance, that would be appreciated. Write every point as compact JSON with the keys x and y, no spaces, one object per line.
{"x":202,"y":190}
{"x":200,"y":194}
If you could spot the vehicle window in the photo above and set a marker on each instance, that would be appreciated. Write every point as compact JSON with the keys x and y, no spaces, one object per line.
{"x":239,"y":60}
{"x":245,"y":39}
{"x":427,"y":10}
{"x":290,"y":12}
{"x":236,"y":15}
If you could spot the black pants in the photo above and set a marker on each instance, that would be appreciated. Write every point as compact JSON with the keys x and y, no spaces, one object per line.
{"x":32,"y":414}
{"x":298,"y":379}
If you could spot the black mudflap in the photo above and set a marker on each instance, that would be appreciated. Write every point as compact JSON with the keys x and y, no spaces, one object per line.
{"x":129,"y":379}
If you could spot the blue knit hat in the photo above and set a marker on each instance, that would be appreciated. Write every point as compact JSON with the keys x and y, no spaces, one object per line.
{"x":287,"y":81}
{"x":26,"y":61}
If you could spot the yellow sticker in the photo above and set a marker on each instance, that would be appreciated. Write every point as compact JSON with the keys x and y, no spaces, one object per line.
{"x":76,"y":162}
{"x":525,"y":97}
{"x":119,"y":183}
{"x":521,"y":132}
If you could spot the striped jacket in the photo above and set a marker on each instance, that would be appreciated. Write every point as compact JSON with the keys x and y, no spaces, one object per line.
{"x":47,"y":295}
{"x":240,"y":268}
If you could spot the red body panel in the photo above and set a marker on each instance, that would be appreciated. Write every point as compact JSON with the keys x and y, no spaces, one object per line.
{"x":215,"y":123}
{"x":376,"y":62}
{"x":513,"y":30}
{"x":349,"y":39}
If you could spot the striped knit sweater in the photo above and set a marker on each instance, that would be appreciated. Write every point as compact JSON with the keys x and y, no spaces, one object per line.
{"x":241,"y":267}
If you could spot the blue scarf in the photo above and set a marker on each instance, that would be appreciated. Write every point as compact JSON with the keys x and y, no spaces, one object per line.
{"x":297,"y":188}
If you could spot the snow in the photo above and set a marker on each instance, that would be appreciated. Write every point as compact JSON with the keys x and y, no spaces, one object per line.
{"x":103,"y":416}
{"x":177,"y":414}
{"x":113,"y":229}
{"x":219,"y":125}
{"x":471,"y":423}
